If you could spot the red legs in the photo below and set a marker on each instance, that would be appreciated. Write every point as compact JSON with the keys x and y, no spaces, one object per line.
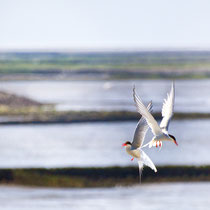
{"x":157,"y":143}
{"x":160,"y":144}
{"x":132,"y":159}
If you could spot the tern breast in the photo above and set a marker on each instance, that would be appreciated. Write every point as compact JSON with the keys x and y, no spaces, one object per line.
{"x":133,"y":152}
{"x":162,"y":137}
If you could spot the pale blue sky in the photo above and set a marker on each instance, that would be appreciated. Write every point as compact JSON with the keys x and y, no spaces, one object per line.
{"x":104,"y":24}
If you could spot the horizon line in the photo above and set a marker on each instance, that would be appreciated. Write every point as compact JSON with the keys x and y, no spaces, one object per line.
{"x":98,"y":50}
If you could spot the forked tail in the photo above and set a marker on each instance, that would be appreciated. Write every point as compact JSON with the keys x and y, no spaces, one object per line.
{"x":141,"y":166}
{"x":153,"y":143}
{"x":145,"y":160}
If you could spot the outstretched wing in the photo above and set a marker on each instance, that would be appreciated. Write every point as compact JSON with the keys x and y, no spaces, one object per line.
{"x":146,"y":114}
{"x":141,"y":130}
{"x":168,"y":109}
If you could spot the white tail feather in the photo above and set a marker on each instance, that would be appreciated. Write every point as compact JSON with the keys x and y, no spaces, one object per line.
{"x":150,"y":144}
{"x":141,"y":166}
{"x":144,"y":159}
{"x":153,"y":143}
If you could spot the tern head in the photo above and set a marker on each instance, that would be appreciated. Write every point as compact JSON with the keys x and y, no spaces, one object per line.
{"x":173,"y":139}
{"x":126,"y":143}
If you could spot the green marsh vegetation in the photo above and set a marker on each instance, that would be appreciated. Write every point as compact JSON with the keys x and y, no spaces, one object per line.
{"x":105,"y":65}
{"x":46,"y":115}
{"x":101,"y":177}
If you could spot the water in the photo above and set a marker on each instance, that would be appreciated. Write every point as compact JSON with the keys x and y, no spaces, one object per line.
{"x":98,"y":144}
{"x":170,"y":196}
{"x":191,"y":95}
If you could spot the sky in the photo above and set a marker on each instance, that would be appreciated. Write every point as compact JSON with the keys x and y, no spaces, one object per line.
{"x":104,"y":24}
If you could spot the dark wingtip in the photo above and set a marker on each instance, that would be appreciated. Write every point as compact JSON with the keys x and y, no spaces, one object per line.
{"x":134,"y":93}
{"x":134,"y":88}
{"x":150,"y":106}
{"x":173,"y":84}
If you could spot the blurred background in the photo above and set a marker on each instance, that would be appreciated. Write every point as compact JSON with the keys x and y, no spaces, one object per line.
{"x":67,"y":70}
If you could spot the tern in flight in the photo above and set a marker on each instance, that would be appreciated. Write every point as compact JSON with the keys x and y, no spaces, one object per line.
{"x":160,"y":132}
{"x":135,"y":148}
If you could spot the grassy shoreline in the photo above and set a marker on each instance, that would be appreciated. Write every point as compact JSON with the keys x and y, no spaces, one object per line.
{"x":101,"y":177}
{"x":38,"y":116}
{"x":104,"y":65}
{"x":102,"y":76}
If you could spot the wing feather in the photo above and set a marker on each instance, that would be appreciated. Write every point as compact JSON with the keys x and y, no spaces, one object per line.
{"x":168,"y":109}
{"x":141,"y":130}
{"x":146,"y":114}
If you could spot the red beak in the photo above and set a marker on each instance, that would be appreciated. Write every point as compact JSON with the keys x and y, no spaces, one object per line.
{"x":123,"y":145}
{"x":176,"y":143}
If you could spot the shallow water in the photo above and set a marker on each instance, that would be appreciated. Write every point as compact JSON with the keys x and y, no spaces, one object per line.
{"x":191,"y":95}
{"x":98,"y":144}
{"x":170,"y":196}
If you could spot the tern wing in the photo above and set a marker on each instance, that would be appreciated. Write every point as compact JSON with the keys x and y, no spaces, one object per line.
{"x":146,"y":114}
{"x":168,"y":109}
{"x":141,"y":130}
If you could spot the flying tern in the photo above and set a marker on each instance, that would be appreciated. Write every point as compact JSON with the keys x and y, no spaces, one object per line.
{"x":160,"y":132}
{"x":135,"y":148}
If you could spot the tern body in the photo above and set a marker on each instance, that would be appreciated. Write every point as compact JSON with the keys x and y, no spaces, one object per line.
{"x":133,"y":152}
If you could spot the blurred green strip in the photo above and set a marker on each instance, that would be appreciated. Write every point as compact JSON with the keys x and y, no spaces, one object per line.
{"x":101,"y":177}
{"x":124,"y":65}
{"x":31,"y":115}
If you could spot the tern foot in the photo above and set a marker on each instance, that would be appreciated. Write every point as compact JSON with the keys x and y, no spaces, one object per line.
{"x":157,"y":144}
{"x":160,"y":144}
{"x":132,"y":159}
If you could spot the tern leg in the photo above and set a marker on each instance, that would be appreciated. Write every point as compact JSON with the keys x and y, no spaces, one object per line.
{"x":132,"y":159}
{"x":160,"y":145}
